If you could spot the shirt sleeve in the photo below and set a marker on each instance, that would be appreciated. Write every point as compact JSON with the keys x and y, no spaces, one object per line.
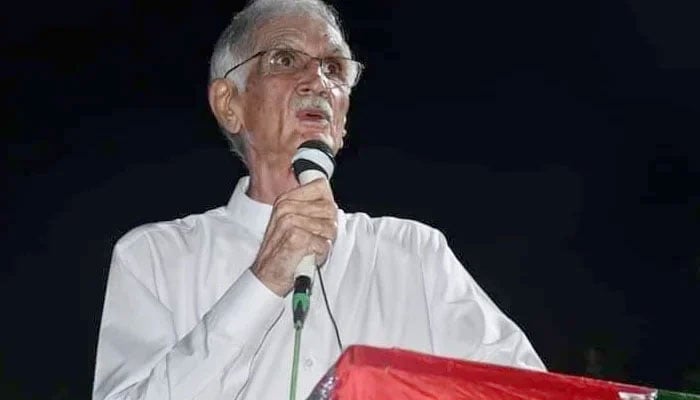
{"x":464,"y":322}
{"x":140,"y":357}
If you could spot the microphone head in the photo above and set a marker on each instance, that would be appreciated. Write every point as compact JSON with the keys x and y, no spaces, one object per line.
{"x":313,"y":155}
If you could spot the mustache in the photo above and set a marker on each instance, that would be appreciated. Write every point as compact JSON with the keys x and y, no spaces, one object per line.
{"x":313,"y":102}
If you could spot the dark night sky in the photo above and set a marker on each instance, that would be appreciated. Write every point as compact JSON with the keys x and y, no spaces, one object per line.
{"x":553,"y":142}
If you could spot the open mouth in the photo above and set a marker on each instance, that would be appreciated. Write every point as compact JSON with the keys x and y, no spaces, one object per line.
{"x":312,"y":115}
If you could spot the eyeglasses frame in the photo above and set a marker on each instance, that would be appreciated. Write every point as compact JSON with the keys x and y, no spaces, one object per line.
{"x":360,"y":66}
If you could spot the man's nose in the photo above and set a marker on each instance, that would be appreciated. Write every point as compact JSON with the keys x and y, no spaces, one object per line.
{"x":313,"y":81}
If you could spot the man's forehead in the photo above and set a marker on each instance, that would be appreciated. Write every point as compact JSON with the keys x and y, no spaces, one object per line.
{"x":301,"y":31}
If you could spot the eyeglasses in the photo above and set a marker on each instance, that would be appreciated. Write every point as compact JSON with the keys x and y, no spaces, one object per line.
{"x":339,"y":70}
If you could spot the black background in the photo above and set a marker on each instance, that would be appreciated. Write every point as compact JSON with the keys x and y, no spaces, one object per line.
{"x":553,"y":142}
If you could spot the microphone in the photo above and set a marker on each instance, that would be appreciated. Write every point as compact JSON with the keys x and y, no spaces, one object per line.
{"x":313,"y":160}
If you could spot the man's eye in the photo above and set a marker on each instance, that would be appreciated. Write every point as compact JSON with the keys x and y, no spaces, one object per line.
{"x":334,"y":67}
{"x":283,"y":59}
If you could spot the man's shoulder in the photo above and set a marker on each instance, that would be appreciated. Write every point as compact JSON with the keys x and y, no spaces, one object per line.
{"x":176,"y":230}
{"x":404,"y":232}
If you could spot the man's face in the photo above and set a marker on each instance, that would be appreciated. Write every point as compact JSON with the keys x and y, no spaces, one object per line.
{"x":275,"y":109}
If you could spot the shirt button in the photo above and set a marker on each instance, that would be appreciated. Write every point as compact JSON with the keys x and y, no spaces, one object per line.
{"x":308,"y":362}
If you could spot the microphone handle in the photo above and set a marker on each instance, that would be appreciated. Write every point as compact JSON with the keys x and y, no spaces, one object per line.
{"x":304,"y":273}
{"x":307,"y":265}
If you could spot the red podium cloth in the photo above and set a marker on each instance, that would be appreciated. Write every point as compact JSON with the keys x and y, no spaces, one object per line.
{"x":364,"y":372}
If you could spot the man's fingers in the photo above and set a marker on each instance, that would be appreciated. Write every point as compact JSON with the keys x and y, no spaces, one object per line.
{"x":325,"y":227}
{"x":316,"y":189}
{"x":322,"y":247}
{"x":303,"y":222}
{"x":303,"y":242}
{"x":321,"y":208}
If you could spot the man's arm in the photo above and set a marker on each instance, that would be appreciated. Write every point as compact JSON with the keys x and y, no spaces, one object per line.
{"x":464,"y":322}
{"x":140,"y":357}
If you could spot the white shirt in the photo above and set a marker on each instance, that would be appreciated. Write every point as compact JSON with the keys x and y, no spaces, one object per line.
{"x":184,"y":318}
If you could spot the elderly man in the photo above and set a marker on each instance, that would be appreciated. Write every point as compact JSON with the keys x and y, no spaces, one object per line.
{"x":199,"y":307}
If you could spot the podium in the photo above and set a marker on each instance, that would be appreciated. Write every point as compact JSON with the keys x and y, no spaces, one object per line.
{"x":366,"y":373}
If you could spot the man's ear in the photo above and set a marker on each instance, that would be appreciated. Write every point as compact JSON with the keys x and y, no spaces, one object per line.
{"x":224,"y":101}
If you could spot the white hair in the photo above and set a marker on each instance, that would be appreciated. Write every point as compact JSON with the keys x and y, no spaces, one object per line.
{"x":237,"y":42}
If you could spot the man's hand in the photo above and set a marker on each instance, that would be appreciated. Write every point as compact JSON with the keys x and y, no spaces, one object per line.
{"x":303,"y":221}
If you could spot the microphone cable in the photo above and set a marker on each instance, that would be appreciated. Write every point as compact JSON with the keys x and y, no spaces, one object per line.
{"x":328,"y":308}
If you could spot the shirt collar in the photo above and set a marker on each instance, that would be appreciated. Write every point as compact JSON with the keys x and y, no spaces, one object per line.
{"x":251,"y":214}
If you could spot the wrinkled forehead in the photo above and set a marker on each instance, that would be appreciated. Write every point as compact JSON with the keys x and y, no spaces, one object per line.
{"x":310,"y":34}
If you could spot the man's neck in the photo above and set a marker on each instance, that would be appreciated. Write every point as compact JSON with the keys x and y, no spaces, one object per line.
{"x":268,"y":180}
